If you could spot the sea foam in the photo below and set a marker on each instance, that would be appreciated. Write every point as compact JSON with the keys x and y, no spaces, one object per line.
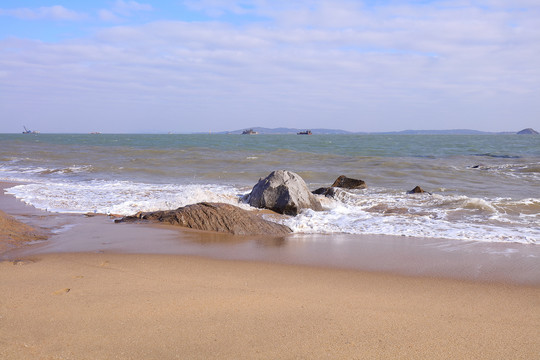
{"x":374,"y":211}
{"x":119,"y":197}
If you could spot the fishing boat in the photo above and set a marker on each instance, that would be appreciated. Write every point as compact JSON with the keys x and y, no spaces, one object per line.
{"x":249,"y":132}
{"x":307,"y":132}
{"x":26,"y":131}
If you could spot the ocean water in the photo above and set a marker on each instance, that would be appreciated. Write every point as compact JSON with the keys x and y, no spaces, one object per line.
{"x":483,"y":187}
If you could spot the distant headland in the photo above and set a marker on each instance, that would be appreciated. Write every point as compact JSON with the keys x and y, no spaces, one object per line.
{"x":527,"y":131}
{"x":284,"y":131}
{"x":324,"y":131}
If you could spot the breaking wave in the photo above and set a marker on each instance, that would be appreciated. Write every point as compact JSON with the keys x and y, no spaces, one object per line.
{"x":372,"y":211}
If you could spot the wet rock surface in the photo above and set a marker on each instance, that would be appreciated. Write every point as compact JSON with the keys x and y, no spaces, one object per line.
{"x":217,"y":217}
{"x":349,"y":183}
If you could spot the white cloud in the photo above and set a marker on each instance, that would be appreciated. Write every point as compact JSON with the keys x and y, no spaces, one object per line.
{"x":126,"y":8}
{"x":56,"y":12}
{"x":427,"y":65}
{"x":121,"y":10}
{"x":108,"y":15}
{"x":218,"y":8}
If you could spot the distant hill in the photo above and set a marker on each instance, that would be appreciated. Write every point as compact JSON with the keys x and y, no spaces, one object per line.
{"x":527,"y":131}
{"x":262,"y":130}
{"x":440,"y":132}
{"x":283,"y":131}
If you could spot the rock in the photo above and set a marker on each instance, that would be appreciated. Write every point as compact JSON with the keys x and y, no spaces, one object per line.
{"x":284,"y":192}
{"x":12,"y":230}
{"x":330,"y":192}
{"x":348,"y":183}
{"x":527,"y":131}
{"x":326,"y":191}
{"x":213,"y":217}
{"x":341,"y":182}
{"x":418,"y":190}
{"x":14,"y":233}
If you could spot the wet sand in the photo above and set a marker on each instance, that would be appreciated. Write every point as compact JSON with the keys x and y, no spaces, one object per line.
{"x":99,"y":290}
{"x":477,"y":261}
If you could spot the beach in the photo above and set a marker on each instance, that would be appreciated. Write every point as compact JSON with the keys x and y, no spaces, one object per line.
{"x":269,"y":180}
{"x":126,"y":300}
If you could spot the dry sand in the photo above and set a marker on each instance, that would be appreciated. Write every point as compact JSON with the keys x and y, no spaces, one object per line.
{"x":150,"y":306}
{"x":118,"y":306}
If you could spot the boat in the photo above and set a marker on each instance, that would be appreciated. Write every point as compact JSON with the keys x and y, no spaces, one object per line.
{"x":26,"y":131}
{"x":249,"y":132}
{"x":307,"y":132}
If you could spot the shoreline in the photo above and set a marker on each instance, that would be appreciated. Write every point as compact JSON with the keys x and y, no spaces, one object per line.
{"x":99,"y":290}
{"x":511,"y":263}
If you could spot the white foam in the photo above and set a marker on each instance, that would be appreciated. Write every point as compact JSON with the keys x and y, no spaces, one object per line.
{"x":373,"y":211}
{"x":422,"y":215}
{"x":119,"y":197}
{"x":338,"y":221}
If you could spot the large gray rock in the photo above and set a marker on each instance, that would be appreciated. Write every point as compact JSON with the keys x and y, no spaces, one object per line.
{"x":284,"y":192}
{"x":213,"y":217}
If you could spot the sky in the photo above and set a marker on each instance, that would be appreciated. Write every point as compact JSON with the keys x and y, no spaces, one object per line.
{"x":119,"y":66}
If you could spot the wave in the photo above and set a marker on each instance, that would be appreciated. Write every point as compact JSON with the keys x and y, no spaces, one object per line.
{"x":498,"y":156}
{"x":435,"y":216}
{"x":372,"y":211}
{"x":118,"y":197}
{"x":484,"y":188}
{"x":28,"y":173}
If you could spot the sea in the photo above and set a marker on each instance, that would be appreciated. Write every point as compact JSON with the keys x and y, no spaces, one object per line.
{"x":478,"y":187}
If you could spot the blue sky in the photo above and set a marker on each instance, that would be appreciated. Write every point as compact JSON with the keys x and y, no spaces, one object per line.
{"x":214,"y":65}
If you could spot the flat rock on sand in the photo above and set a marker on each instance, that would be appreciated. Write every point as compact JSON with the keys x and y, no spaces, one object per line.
{"x":214,"y":217}
{"x":14,"y":232}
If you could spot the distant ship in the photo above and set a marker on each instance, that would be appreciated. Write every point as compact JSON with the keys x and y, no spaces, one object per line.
{"x":307,"y":132}
{"x":26,"y":131}
{"x":249,"y":132}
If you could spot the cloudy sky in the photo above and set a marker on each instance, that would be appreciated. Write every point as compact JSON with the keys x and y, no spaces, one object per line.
{"x":214,"y":65}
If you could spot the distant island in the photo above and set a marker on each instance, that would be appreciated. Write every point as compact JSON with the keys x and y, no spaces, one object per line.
{"x":527,"y":131}
{"x":284,"y":131}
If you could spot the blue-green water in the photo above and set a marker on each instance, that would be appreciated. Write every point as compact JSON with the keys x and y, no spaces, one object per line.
{"x":485,"y":187}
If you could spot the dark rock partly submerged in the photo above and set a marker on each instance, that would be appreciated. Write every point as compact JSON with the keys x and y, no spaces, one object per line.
{"x":349,"y":183}
{"x":342,"y":182}
{"x":284,"y":192}
{"x":218,"y":217}
{"x":417,"y":190}
{"x":326,"y":191}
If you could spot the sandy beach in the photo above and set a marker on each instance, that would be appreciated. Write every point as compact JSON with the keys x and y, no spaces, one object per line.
{"x":96,"y":290}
